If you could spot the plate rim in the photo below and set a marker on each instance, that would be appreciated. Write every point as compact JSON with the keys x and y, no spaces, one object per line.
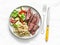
{"x":37,"y":29}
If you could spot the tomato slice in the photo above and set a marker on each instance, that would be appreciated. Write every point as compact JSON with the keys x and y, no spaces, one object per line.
{"x":22,"y":11}
{"x":12,"y":20}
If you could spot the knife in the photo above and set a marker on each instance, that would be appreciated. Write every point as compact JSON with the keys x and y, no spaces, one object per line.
{"x":47,"y":25}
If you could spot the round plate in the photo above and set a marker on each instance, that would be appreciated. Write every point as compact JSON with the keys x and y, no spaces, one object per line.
{"x":40,"y":22}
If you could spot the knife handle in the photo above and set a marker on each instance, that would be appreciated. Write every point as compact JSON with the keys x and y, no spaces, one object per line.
{"x":47,"y":33}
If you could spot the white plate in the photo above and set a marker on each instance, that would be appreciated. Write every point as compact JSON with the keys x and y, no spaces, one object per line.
{"x":38,"y":30}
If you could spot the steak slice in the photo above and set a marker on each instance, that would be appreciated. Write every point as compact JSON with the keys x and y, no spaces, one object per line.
{"x":31,"y":25}
{"x":30,"y":19}
{"x":34,"y":19}
{"x":35,"y":27}
{"x":28,"y":14}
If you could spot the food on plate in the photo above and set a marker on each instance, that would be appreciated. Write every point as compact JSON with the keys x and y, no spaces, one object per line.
{"x":24,"y":22}
{"x":14,"y":14}
{"x":28,"y":15}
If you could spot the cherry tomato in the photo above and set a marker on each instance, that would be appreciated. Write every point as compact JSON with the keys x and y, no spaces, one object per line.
{"x":22,"y":11}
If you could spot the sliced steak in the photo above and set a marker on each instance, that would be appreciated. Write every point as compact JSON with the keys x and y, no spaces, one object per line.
{"x":30,"y":19}
{"x":35,"y":27}
{"x":28,"y":14}
{"x":34,"y":19}
{"x":32,"y":32}
{"x":32,"y":16}
{"x":38,"y":18}
{"x":31,"y":25}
